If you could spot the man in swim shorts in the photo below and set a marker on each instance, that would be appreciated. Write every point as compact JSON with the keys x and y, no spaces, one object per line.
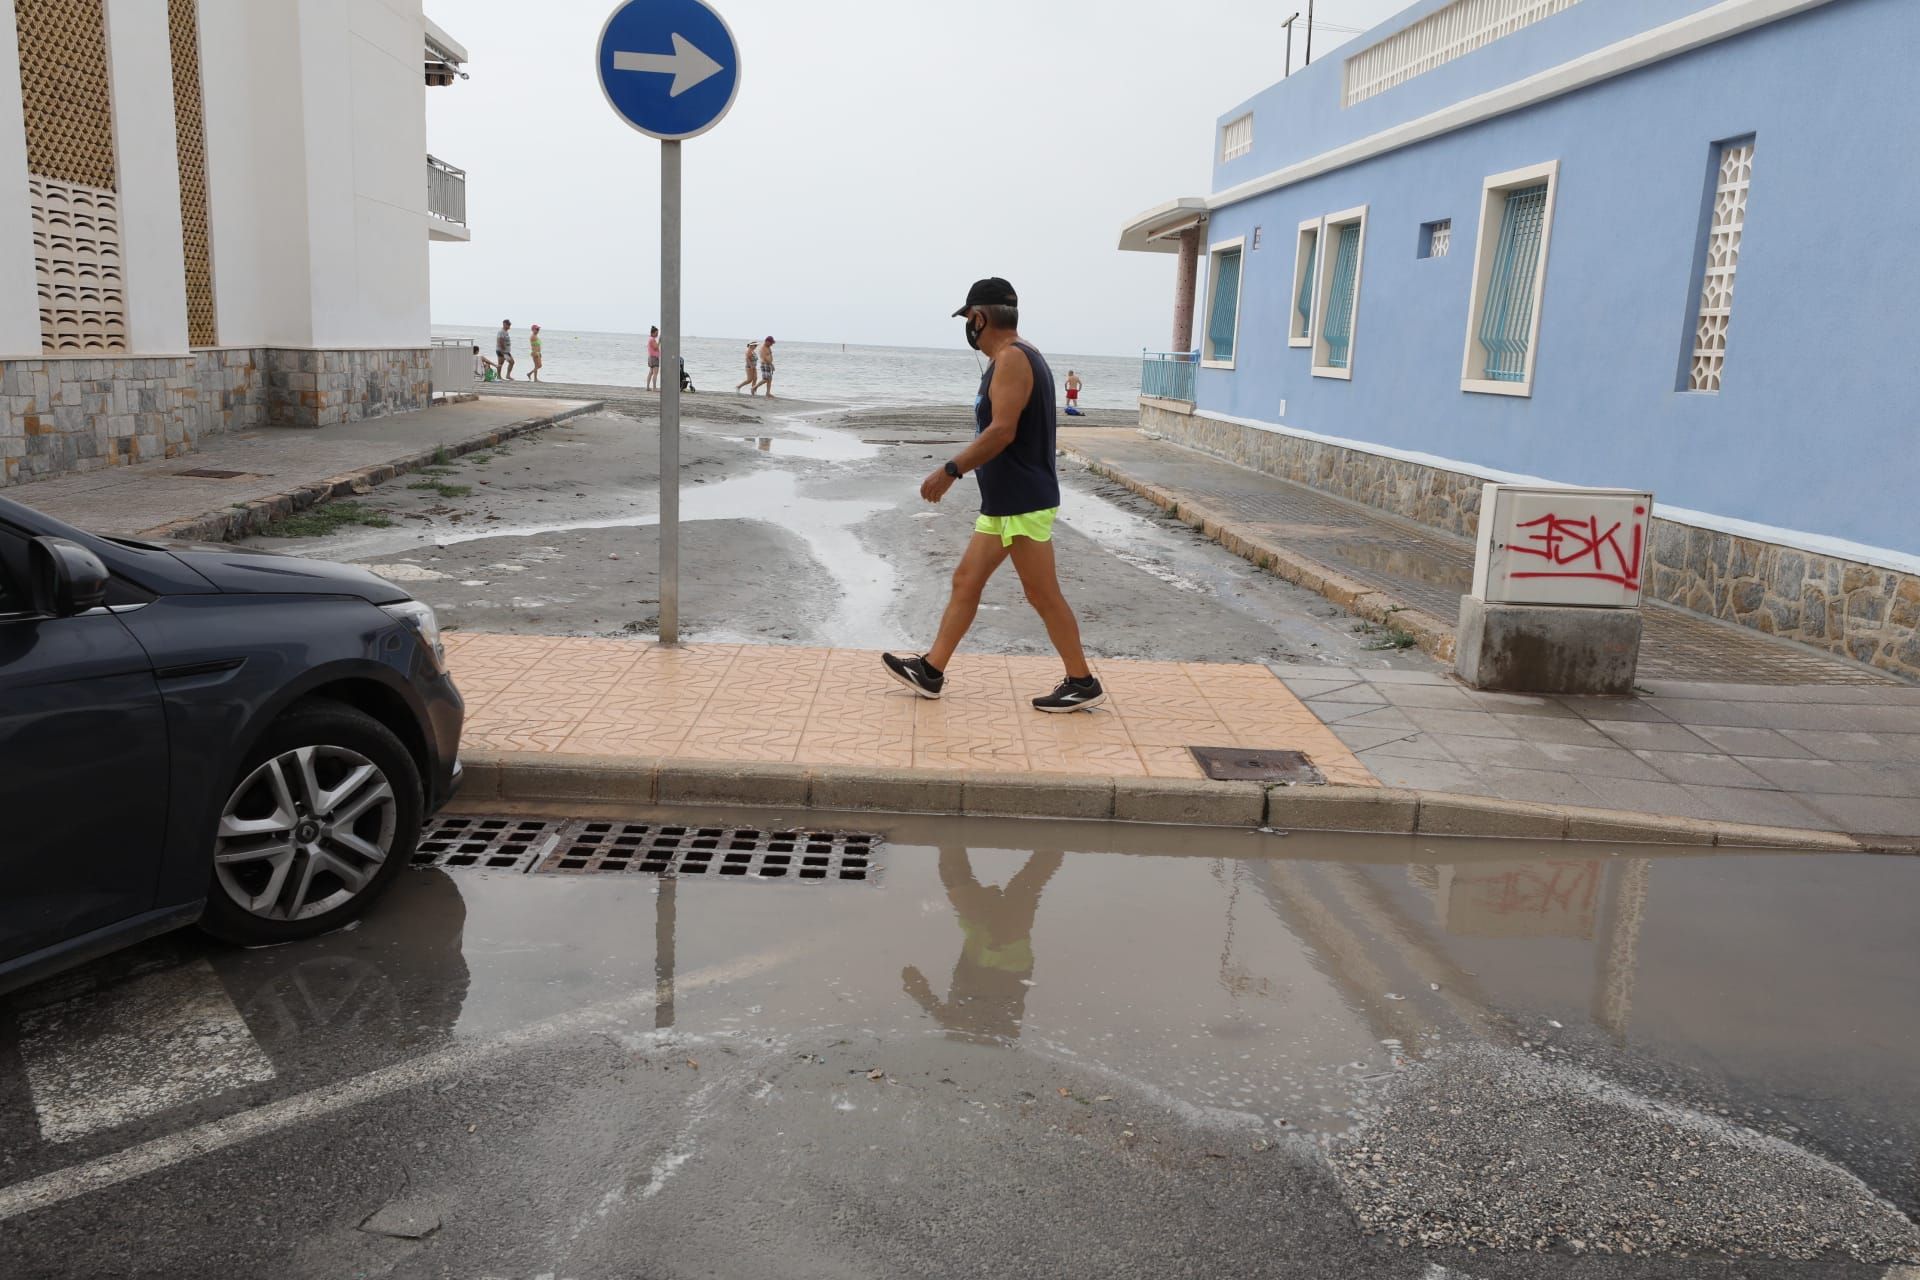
{"x":1013,"y":454}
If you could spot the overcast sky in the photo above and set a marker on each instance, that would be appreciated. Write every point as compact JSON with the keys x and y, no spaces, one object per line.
{"x":880,"y":156}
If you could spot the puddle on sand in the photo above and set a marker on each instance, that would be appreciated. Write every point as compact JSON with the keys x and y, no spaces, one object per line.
{"x":805,"y":440}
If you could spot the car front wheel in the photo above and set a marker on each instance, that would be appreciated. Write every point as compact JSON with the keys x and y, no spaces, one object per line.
{"x":324,"y":814}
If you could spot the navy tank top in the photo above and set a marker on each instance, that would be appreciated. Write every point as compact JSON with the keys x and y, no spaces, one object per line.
{"x":1022,"y":479}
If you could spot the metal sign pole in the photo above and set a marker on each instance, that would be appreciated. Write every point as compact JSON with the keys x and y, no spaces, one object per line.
{"x":669,"y":393}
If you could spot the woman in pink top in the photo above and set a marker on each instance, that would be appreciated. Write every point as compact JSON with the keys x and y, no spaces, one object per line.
{"x":653,"y":359}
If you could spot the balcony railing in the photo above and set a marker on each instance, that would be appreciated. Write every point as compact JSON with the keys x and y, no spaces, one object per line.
{"x":1168,"y":375}
{"x":446,"y":191}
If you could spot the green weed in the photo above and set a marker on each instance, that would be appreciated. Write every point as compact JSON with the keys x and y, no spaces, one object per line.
{"x":319,"y":521}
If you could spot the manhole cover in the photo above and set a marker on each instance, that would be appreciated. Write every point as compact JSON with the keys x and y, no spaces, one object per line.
{"x":687,"y":850}
{"x":211,"y":473}
{"x":1244,"y":764}
{"x":497,"y":844}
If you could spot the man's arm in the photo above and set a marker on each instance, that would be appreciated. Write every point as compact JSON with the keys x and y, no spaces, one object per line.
{"x":1011,"y":389}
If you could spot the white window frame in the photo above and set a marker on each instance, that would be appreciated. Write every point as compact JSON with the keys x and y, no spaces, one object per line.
{"x":1315,"y":227}
{"x":1213,"y":283}
{"x":1493,"y":206}
{"x":1230,"y":149}
{"x":1322,"y":292}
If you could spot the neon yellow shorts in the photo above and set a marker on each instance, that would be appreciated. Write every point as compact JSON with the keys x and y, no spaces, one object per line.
{"x":1037,"y":525}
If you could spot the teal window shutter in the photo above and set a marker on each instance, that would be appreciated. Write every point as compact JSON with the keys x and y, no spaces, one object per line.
{"x":1303,"y":302}
{"x":1506,"y":322}
{"x":1338,"y":322}
{"x":1226,"y":305}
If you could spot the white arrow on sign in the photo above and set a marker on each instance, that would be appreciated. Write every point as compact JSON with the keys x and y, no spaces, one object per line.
{"x":686,"y":64}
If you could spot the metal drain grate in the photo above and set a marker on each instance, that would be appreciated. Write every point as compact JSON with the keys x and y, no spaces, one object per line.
{"x":1245,"y":764}
{"x":496,"y":844}
{"x":686,"y":850}
{"x":214,"y":473}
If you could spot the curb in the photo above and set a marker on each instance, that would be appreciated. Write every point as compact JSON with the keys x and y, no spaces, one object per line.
{"x":220,"y":526}
{"x":542,"y":777}
{"x":1432,"y":634}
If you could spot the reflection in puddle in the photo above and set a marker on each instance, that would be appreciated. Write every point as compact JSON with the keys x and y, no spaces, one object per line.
{"x":988,"y":994}
{"x":803,"y":440}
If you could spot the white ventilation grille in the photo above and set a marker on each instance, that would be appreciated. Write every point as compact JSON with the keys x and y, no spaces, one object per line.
{"x":1236,"y":138}
{"x":76,"y":249}
{"x":1439,"y":38}
{"x":1723,"y":259}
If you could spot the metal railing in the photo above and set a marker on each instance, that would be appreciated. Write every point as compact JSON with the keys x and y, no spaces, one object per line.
{"x":1168,"y":375}
{"x":451,"y":362}
{"x":446,"y":191}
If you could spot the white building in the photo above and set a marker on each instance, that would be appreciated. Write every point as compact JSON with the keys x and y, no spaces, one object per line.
{"x":214,"y":214}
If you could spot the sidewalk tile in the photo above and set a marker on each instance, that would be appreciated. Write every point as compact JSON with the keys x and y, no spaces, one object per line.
{"x":1859,"y":778}
{"x":1388,"y":675}
{"x":1751,"y":742}
{"x":1708,"y":769}
{"x":1597,"y":709}
{"x":1419,"y":746}
{"x":1478,"y":724}
{"x":1519,"y":704}
{"x":1440,"y":697}
{"x":1366,"y":738}
{"x":1541,"y":786}
{"x":837,"y":708}
{"x":1898,"y":748}
{"x":1763,"y":808}
{"x":1291,"y":671}
{"x":1428,"y":775}
{"x":1641,"y":796}
{"x":1869,"y":815}
{"x":1311,"y":689}
{"x":1571,"y":731}
{"x":1653,"y":737}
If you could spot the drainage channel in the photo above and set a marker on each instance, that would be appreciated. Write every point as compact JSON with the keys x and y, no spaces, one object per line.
{"x":584,"y":846}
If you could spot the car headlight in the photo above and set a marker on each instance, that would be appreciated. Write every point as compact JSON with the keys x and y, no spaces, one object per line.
{"x":420,"y":617}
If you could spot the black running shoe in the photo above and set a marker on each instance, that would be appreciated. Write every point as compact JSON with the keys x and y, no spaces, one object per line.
{"x":1072,"y":695}
{"x":916,"y":675}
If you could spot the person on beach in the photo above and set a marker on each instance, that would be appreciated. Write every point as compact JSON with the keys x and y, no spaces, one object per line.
{"x":752,"y":380}
{"x":503,"y":349}
{"x":653,"y":358}
{"x":533,"y":350}
{"x":1013,"y":452}
{"x":483,"y":368}
{"x":766,"y":367}
{"x":1073,"y":393}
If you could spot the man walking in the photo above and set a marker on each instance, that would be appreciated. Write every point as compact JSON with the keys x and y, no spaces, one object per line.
{"x":1013,"y":452}
{"x":503,"y":349}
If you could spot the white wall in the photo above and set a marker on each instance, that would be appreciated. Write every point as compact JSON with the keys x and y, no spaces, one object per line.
{"x":19,"y":297}
{"x":140,"y":68}
{"x":250,"y":74}
{"x":365,"y":127}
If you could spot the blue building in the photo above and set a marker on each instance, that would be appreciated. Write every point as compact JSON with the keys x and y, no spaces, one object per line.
{"x":1629,"y":243}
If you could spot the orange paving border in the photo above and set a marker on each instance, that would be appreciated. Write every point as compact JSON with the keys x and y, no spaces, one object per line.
{"x":569,"y":695}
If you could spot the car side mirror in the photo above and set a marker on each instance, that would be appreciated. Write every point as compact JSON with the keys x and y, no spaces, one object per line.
{"x":67,"y":578}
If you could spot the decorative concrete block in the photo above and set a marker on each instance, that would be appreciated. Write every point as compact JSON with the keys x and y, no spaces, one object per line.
{"x":1513,"y":648}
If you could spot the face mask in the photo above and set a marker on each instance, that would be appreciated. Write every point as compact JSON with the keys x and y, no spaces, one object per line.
{"x":974,"y":331}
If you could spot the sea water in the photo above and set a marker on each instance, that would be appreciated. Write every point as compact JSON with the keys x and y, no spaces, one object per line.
{"x":850,"y":374}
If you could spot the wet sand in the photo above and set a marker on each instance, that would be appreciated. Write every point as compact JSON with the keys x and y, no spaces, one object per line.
{"x":805,"y":526}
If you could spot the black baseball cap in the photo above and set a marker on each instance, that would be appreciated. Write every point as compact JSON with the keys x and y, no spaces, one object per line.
{"x":991,"y":292}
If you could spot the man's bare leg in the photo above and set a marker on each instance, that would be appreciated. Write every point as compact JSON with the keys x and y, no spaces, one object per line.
{"x":1033,"y":561}
{"x":983,"y":555}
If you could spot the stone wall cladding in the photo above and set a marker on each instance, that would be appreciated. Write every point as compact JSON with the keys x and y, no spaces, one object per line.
{"x":61,"y":416}
{"x":324,"y":388}
{"x":232,"y":387}
{"x":1854,"y":610}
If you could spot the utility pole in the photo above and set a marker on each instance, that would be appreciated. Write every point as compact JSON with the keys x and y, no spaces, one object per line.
{"x":1288,"y":24}
{"x":1309,"y":61}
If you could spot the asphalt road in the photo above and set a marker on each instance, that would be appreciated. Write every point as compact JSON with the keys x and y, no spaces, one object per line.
{"x":1026,"y":1049}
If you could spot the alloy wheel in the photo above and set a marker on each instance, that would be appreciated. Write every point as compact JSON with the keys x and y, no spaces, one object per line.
{"x":305,"y":832}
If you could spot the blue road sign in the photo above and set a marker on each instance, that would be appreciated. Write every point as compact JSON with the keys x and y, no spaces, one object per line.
{"x":669,"y":68}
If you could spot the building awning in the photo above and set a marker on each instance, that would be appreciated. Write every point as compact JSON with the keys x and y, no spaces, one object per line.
{"x":442,"y":47}
{"x":1158,"y":229}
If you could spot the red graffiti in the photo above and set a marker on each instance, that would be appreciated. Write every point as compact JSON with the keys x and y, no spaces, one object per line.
{"x":1579,"y":548}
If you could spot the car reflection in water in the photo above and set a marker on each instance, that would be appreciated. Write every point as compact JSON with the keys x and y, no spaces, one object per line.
{"x":390,"y":988}
{"x":987,"y":997}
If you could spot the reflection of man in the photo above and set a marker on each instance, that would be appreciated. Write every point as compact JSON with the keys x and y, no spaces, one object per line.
{"x":988,"y":995}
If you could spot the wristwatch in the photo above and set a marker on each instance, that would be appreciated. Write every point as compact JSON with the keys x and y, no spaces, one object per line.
{"x":952,"y":470}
